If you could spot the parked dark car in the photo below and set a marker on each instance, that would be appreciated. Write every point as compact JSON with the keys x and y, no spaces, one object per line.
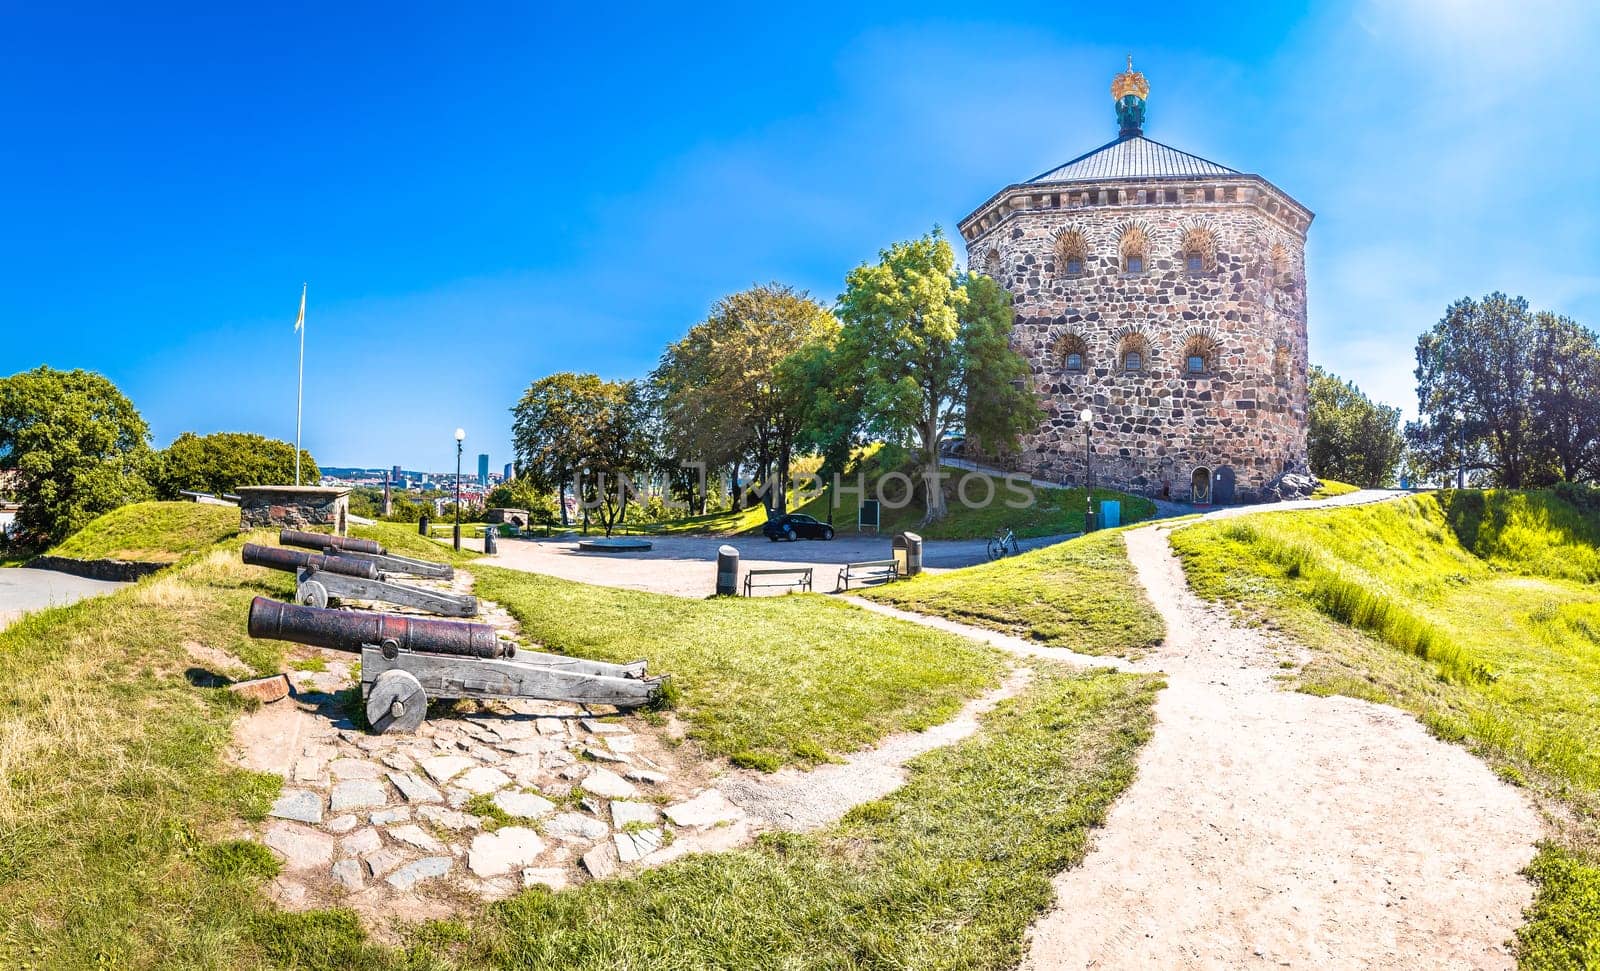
{"x":796,"y":526}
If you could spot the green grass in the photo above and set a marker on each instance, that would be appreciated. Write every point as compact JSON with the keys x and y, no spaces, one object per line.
{"x":725,"y":523}
{"x":1470,"y":610}
{"x":151,"y":532}
{"x":1333,"y":487}
{"x":402,"y":539}
{"x":764,"y":681}
{"x":1081,"y":595}
{"x":947,"y":872}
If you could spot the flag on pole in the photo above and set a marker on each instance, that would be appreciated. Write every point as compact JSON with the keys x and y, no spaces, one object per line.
{"x":300,"y":321}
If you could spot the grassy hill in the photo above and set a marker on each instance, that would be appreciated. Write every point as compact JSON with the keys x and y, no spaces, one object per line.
{"x":151,"y":532}
{"x":1478,"y":611}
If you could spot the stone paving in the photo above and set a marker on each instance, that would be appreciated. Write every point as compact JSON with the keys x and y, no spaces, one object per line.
{"x":482,"y":801}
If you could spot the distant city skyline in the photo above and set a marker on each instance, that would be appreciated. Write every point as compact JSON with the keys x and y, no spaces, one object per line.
{"x":524,"y":207}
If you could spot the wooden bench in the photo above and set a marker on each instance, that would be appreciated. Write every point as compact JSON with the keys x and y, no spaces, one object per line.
{"x":871,"y":571}
{"x":800,"y":577}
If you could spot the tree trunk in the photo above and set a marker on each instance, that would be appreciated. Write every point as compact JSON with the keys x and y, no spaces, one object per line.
{"x":930,"y":468}
{"x":561,"y":499}
{"x":781,"y":500}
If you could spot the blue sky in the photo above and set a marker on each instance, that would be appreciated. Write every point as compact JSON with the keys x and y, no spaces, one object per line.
{"x":480,"y":196}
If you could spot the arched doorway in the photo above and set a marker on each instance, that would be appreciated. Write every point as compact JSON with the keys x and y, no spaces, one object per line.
{"x":1200,"y":486}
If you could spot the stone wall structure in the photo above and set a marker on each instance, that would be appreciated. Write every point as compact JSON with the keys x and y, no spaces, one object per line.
{"x":297,"y":507}
{"x":1167,"y":294}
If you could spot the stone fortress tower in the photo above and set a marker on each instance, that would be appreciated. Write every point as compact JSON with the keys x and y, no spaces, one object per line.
{"x":1166,"y":294}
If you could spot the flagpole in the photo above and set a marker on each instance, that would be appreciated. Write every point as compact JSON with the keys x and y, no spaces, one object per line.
{"x":300,"y":392}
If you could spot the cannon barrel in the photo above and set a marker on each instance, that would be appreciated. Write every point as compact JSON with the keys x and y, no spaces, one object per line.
{"x":348,"y":630}
{"x":279,"y":558}
{"x":325,"y":541}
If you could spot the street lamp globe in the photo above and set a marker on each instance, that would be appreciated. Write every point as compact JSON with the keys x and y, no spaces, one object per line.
{"x":1086,"y":416}
{"x":461,"y":434}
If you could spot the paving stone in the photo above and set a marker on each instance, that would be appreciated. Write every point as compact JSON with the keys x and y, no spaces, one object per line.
{"x":638,"y":844}
{"x":572,"y":771}
{"x":354,"y":769}
{"x":528,"y":746}
{"x":523,"y":805}
{"x":604,"y":782}
{"x":575,"y":828}
{"x":301,"y":805}
{"x":559,"y":758}
{"x":601,"y":862}
{"x":475,"y":730}
{"x":482,"y":780}
{"x":485,"y":754}
{"x":592,"y":805}
{"x":603,"y":755}
{"x":606,"y":728}
{"x":449,"y":818}
{"x":551,"y":726}
{"x":555,"y":877}
{"x":413,"y":835}
{"x":347,"y":873}
{"x":302,"y":848}
{"x":623,"y":813}
{"x":621,"y":743}
{"x":506,"y":849}
{"x":384,"y":817}
{"x":414,"y":789}
{"x":361,"y":842}
{"x":266,"y":690}
{"x":647,"y":776}
{"x":707,"y":809}
{"x":556,"y":790}
{"x":511,"y":729}
{"x":399,"y":761}
{"x":457,"y":797}
{"x":443,"y":768}
{"x":412,"y":874}
{"x":357,"y":794}
{"x":287,"y":893}
{"x":309,"y":769}
{"x":340,"y":825}
{"x":382,"y":861}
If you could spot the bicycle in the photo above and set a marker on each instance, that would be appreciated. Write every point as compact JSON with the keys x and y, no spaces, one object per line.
{"x":1003,"y":544}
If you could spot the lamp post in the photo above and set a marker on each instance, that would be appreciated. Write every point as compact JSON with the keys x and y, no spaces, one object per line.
{"x":461,"y":436}
{"x":582,"y":500}
{"x":1086,"y":416}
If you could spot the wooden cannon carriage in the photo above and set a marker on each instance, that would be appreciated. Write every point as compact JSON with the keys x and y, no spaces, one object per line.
{"x":368,"y":550}
{"x":322,"y":577}
{"x":406,"y":661}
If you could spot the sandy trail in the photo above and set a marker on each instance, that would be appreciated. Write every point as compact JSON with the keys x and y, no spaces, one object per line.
{"x":1267,"y":828}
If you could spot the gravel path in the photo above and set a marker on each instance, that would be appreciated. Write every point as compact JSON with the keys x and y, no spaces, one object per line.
{"x":1268,"y":828}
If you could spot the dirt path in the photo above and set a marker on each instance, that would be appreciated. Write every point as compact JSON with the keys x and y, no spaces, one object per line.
{"x":1267,"y":828}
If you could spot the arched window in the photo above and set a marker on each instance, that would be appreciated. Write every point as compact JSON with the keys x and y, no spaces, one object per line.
{"x":1133,"y":354}
{"x":1199,"y":250}
{"x":1072,"y":252}
{"x":1135,"y":248}
{"x":991,"y":262}
{"x":1199,"y":355}
{"x":1072,"y":353}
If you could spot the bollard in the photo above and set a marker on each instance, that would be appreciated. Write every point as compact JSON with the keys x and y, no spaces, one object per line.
{"x":422,"y":525}
{"x":727,"y":572}
{"x":490,"y":547}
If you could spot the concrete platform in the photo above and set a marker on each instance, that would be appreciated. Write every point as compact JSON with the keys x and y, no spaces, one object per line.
{"x":23,"y":591}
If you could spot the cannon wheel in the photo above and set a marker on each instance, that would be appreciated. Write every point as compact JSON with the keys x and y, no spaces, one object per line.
{"x":312,"y":594}
{"x":396,"y":702}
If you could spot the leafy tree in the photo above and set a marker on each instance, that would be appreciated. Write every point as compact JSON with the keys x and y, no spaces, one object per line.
{"x":1506,"y":393}
{"x":79,"y":446}
{"x":1351,"y":438}
{"x":222,"y":462}
{"x":930,"y":352}
{"x":551,"y":429}
{"x":723,"y":393}
{"x":1566,"y":396}
{"x":615,"y":427}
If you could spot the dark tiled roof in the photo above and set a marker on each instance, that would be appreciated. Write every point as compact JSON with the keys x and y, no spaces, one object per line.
{"x":1134,"y":157}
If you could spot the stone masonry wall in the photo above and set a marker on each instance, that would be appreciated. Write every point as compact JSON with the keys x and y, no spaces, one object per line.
{"x":1244,"y":311}
{"x":302,"y":507}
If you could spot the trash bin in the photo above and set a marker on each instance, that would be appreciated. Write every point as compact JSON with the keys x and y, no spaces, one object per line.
{"x":422,"y":525}
{"x":489,"y":545}
{"x":727,"y":571}
{"x":908,"y":554}
{"x":1110,"y":513}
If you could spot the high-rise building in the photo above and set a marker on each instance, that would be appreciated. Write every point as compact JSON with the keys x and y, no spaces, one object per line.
{"x":395,"y":475}
{"x":483,"y":469}
{"x":508,"y":476}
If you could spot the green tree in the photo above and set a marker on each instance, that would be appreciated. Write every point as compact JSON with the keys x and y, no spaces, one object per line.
{"x":1350,"y":437}
{"x":78,"y":445}
{"x":723,"y":393}
{"x":223,"y":461}
{"x":1566,"y":396}
{"x":551,"y":430}
{"x":930,"y":352}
